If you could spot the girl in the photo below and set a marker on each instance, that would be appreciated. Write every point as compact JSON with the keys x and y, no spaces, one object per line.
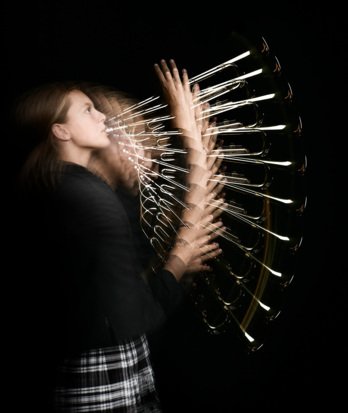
{"x":86,"y":308}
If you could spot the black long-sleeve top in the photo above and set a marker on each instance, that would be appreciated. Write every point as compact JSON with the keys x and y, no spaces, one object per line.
{"x":85,"y":283}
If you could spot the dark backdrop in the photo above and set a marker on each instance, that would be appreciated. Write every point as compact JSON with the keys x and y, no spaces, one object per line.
{"x":116,"y":43}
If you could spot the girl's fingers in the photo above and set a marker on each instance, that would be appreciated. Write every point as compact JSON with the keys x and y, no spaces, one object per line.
{"x":175,"y":72}
{"x":218,"y":232}
{"x":210,"y":251}
{"x":185,"y":80}
{"x":214,"y":184}
{"x":159,"y":74}
{"x":214,"y":205}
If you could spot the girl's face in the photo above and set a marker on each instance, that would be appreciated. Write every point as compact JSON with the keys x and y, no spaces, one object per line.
{"x":85,"y":123}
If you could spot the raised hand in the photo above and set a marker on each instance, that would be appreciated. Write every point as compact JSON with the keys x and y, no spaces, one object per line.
{"x":178,"y":95}
{"x":193,"y":245}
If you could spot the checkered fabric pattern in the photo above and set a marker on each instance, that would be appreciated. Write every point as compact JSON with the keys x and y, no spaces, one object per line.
{"x":114,"y":379}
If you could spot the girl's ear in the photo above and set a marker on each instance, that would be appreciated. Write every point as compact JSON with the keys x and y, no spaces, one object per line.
{"x":60,"y":132}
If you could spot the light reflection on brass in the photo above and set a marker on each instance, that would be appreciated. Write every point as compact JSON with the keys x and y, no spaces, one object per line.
{"x":264,"y":163}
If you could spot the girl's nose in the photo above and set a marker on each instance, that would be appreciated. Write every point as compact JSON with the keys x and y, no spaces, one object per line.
{"x":101,"y":116}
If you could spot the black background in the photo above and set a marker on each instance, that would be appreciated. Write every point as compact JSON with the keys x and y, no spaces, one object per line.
{"x":117,"y":43}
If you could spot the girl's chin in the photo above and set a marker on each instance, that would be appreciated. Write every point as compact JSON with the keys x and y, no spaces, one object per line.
{"x":106,"y":142}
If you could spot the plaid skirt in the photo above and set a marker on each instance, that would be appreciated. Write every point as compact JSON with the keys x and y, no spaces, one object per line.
{"x":114,"y":379}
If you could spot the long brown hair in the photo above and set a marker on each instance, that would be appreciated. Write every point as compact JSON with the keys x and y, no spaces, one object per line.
{"x":36,"y":111}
